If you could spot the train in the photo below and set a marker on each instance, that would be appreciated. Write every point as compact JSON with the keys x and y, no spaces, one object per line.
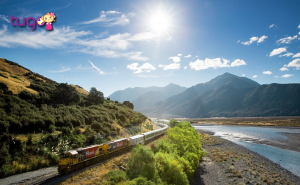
{"x":76,"y":159}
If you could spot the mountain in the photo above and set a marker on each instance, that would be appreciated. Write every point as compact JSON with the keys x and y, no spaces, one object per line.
{"x":148,"y":99}
{"x":165,"y":107}
{"x":134,"y":94}
{"x":228,"y":101}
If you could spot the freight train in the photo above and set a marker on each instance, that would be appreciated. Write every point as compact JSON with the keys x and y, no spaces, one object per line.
{"x":78,"y":158}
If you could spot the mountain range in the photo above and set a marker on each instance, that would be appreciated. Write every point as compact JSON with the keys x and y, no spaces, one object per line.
{"x":226,"y":95}
{"x":142,"y":97}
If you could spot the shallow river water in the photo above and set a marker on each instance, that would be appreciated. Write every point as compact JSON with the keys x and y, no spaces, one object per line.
{"x":246,"y":136}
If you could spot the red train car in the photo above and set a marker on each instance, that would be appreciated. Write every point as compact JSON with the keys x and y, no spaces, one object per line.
{"x":121,"y":143}
{"x":91,"y":151}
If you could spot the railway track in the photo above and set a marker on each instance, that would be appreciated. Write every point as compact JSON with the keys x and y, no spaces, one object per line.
{"x":55,"y":178}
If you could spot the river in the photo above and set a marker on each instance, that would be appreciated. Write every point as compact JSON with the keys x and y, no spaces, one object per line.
{"x":251,"y":136}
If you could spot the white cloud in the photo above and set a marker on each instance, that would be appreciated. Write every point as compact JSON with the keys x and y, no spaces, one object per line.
{"x":179,"y":54}
{"x":238,"y":41}
{"x":252,"y":39}
{"x":287,"y":75}
{"x":175,"y":59}
{"x":111,"y":18}
{"x":85,"y":67}
{"x":267,"y":72}
{"x":255,"y":76}
{"x":238,"y":62}
{"x":185,"y":67}
{"x":262,"y":38}
{"x":287,"y":40}
{"x":278,"y":51}
{"x":114,"y":46}
{"x":296,"y":55}
{"x":146,"y":67}
{"x":209,"y":63}
{"x":271,"y":26}
{"x":188,"y":56}
{"x":160,"y":65}
{"x":101,"y":72}
{"x":143,"y":37}
{"x":172,"y":66}
{"x":63,"y":69}
{"x":4,"y":18}
{"x":295,"y":63}
{"x":286,"y":55}
{"x":299,"y":26}
{"x":243,"y":74}
{"x":284,"y":68}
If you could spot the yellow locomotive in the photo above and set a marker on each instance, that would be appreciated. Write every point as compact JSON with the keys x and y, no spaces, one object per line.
{"x":78,"y":158}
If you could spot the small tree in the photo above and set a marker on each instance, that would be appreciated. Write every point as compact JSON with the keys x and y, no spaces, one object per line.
{"x":95,"y":97}
{"x":128,"y":104}
{"x":65,"y":94}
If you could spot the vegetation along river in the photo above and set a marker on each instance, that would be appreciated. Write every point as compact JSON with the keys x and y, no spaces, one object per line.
{"x":279,"y":144}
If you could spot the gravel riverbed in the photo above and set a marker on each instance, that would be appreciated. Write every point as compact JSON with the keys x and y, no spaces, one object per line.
{"x":229,"y":163}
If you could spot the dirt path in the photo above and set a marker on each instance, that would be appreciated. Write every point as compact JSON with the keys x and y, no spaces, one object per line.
{"x":229,"y":163}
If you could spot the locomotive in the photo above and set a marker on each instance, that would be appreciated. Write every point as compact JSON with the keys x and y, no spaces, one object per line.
{"x":78,"y":158}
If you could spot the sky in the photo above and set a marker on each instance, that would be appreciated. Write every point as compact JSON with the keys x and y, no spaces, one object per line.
{"x":113,"y":45}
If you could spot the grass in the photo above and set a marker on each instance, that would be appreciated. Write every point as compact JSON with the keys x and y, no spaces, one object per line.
{"x":261,"y":121}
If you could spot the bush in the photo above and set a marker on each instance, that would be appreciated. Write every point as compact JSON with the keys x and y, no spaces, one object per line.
{"x":170,"y":169}
{"x":140,"y":181}
{"x":115,"y":176}
{"x":141,"y":163}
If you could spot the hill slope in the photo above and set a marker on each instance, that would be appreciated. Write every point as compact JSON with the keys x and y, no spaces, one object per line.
{"x":56,"y":115}
{"x":226,"y":79}
{"x":228,"y":101}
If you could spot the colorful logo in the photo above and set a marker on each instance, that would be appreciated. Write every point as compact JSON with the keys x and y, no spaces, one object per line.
{"x":47,"y":19}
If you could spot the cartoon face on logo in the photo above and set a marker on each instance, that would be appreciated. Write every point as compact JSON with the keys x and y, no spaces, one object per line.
{"x":48,"y":18}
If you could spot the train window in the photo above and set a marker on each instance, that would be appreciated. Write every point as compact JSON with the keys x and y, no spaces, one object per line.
{"x":64,"y":155}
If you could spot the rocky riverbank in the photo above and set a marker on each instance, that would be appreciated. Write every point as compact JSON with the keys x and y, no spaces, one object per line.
{"x":229,"y":163}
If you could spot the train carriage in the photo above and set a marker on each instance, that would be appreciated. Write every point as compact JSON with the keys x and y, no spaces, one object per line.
{"x":139,"y":139}
{"x":77,"y":158}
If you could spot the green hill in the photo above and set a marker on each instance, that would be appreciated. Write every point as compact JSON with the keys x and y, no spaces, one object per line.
{"x":38,"y":114}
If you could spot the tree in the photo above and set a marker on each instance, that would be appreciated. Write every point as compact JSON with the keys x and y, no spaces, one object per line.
{"x":66,"y":94}
{"x":95,"y":97}
{"x":128,"y":104}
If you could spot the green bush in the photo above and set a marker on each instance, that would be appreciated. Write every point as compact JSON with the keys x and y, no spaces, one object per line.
{"x":115,"y":176}
{"x":141,"y":163}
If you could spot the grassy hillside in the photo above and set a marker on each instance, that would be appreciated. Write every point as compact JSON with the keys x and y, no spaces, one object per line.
{"x":59,"y":114}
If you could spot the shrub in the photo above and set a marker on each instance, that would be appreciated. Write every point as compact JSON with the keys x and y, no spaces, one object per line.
{"x":141,"y":163}
{"x":115,"y":176}
{"x":169,"y":169}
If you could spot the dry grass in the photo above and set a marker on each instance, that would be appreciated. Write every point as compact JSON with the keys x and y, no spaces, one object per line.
{"x":208,"y":139}
{"x":80,"y":89}
{"x":97,"y":175}
{"x":17,"y":82}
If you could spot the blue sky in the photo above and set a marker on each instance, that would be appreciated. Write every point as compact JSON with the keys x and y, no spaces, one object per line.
{"x":113,"y":45}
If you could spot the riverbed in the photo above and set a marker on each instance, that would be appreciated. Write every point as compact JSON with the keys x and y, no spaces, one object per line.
{"x":279,"y":144}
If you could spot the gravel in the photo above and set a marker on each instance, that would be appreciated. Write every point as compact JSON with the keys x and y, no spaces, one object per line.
{"x":249,"y":167}
{"x":25,"y":177}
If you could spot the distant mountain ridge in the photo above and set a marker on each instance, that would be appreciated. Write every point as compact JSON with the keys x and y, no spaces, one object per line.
{"x":145,"y":96}
{"x":190,"y":93}
{"x":230,"y":96}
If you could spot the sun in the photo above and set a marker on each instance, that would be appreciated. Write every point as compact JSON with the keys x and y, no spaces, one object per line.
{"x":159,"y":22}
